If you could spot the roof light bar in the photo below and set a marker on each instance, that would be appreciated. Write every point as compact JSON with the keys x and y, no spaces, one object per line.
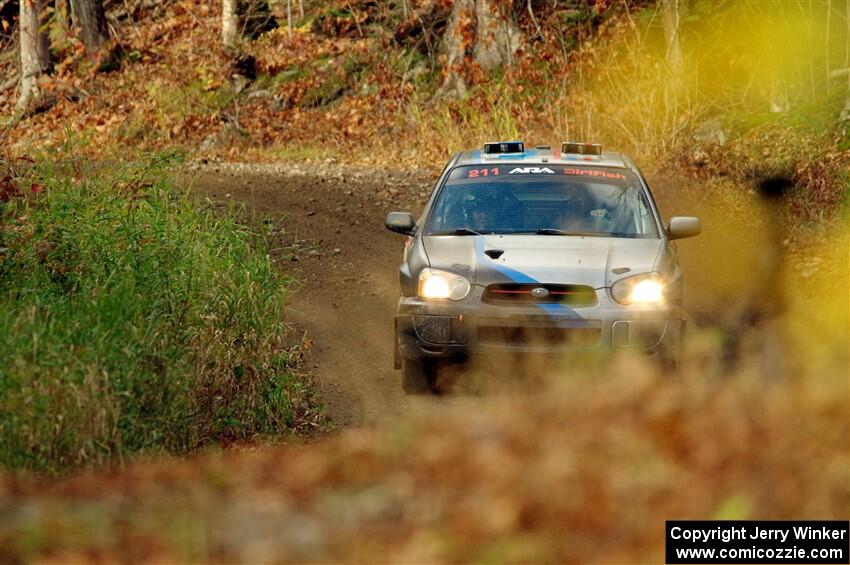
{"x":495,"y":148}
{"x":576,"y":148}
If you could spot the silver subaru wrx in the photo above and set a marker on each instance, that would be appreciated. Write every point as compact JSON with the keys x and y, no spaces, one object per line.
{"x":536,"y":250}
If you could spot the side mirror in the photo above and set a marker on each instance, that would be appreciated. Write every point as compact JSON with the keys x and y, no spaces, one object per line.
{"x":683,"y":226}
{"x":400,"y":222}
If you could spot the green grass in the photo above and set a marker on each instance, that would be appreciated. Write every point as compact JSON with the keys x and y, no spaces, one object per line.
{"x":134,"y":320}
{"x":806,"y":116}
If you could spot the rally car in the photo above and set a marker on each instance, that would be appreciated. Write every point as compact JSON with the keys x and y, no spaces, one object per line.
{"x":536,"y":250}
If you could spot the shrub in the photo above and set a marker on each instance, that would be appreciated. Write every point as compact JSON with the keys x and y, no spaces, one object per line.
{"x":133,"y":320}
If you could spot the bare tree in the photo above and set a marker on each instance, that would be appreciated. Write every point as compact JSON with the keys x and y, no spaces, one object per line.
{"x":496,"y":35}
{"x":454,"y":47}
{"x":35,"y":52}
{"x":481,"y":31}
{"x":229,"y":23}
{"x":89,"y":18}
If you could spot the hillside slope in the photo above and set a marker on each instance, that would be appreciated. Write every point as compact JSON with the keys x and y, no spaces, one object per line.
{"x":359,"y":81}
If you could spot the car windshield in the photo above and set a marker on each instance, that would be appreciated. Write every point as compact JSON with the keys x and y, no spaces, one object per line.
{"x":542,"y":199}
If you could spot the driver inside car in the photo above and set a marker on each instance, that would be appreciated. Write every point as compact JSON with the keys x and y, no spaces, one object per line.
{"x":483,"y":212}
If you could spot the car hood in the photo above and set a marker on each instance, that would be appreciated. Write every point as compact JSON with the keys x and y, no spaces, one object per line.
{"x":543,"y":259}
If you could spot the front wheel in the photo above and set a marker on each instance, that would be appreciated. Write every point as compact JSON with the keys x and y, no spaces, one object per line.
{"x":670,"y":355}
{"x":418,"y":376}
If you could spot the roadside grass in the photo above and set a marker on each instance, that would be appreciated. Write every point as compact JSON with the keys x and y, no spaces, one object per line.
{"x":134,"y":320}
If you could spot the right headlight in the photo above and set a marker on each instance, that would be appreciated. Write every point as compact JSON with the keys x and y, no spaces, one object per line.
{"x":647,"y":288}
{"x":434,"y":283}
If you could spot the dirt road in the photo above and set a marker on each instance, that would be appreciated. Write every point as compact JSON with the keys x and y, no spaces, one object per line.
{"x":327,"y":232}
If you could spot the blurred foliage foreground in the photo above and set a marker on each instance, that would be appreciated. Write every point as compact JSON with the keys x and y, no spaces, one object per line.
{"x":585,"y":473}
{"x":132,"y":319}
{"x":584,"y":468}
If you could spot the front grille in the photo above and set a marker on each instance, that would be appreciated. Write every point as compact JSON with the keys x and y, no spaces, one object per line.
{"x":538,"y":336}
{"x":509,"y":294}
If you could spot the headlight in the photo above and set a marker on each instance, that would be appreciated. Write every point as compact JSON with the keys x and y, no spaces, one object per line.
{"x":442,"y":284}
{"x":639,"y":289}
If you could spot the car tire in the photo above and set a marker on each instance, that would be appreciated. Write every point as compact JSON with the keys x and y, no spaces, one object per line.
{"x":418,"y":376}
{"x":670,"y":357}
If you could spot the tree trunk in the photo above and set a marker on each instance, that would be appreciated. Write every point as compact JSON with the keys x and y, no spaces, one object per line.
{"x":672,"y":11}
{"x":455,"y":45}
{"x":35,"y":52}
{"x":477,"y":28}
{"x":89,"y":18}
{"x":229,"y":23}
{"x":496,"y":36}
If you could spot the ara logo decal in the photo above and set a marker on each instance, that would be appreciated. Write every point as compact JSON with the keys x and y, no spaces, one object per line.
{"x":531,"y":170}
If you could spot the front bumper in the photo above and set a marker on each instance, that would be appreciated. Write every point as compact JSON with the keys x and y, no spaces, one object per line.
{"x":457,"y":329}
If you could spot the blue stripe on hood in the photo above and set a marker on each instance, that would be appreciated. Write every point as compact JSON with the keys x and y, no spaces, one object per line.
{"x":562,"y":315}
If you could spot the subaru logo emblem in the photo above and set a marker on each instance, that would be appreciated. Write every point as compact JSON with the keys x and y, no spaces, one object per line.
{"x":539,"y":292}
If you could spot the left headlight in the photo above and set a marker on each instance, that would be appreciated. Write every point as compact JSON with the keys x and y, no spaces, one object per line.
{"x":434,"y":283}
{"x":639,"y":289}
